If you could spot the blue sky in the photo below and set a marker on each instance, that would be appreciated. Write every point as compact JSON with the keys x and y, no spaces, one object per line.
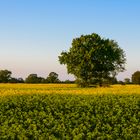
{"x":34,"y":32}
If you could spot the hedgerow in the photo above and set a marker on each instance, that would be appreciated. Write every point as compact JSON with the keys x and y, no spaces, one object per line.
{"x":55,"y":116}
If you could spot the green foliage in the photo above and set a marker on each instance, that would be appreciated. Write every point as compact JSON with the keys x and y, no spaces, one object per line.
{"x":16,"y":80}
{"x":5,"y":76}
{"x":52,"y":78}
{"x":127,"y":81}
{"x":136,"y":77}
{"x":92,"y":58}
{"x":33,"y":78}
{"x":70,"y":117}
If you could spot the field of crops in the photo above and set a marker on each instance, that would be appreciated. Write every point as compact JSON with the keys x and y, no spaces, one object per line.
{"x":59,"y":111}
{"x":20,"y":89}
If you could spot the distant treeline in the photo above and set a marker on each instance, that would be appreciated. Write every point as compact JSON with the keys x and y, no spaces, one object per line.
{"x":5,"y":77}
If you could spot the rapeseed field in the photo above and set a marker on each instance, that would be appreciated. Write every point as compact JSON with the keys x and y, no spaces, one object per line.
{"x":66,"y":112}
{"x":20,"y":89}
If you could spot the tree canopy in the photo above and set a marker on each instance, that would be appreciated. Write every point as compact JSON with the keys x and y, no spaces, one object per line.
{"x":93,"y":59}
{"x":33,"y":78}
{"x":52,"y":78}
{"x":136,"y":77}
{"x":5,"y":76}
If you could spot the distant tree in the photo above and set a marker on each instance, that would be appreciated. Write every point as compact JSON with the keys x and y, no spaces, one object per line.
{"x":69,"y":82}
{"x":52,"y":78}
{"x":121,"y":83}
{"x":92,"y":58}
{"x":13,"y":80}
{"x":41,"y":80}
{"x":16,"y":80}
{"x":20,"y":80}
{"x":32,"y":78}
{"x":5,"y":76}
{"x":136,"y":77}
{"x":127,"y":81}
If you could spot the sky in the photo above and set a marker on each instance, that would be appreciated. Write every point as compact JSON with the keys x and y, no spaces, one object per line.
{"x":33,"y":33}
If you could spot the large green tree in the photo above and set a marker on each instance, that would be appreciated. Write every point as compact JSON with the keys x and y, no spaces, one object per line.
{"x":93,"y":59}
{"x":136,"y":77}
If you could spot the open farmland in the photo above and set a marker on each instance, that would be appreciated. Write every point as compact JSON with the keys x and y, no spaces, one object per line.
{"x":18,"y":89}
{"x":60,"y":111}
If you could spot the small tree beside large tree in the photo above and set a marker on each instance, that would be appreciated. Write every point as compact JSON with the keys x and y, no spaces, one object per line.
{"x":93,"y":59}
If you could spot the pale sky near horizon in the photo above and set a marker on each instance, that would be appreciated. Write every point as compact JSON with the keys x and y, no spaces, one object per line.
{"x":33,"y":33}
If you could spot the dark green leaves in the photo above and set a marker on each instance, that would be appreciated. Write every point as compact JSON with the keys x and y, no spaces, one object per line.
{"x":93,"y":57}
{"x":136,"y":77}
{"x":57,"y":116}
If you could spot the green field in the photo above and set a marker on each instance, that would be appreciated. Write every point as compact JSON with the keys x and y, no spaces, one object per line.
{"x":63,"y":112}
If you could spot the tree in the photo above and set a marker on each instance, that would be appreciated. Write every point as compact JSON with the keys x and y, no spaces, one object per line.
{"x":20,"y":80}
{"x":5,"y":76}
{"x":121,"y":82}
{"x":13,"y":80}
{"x":32,"y":78}
{"x":92,"y":58}
{"x":68,"y":82}
{"x":136,"y":77}
{"x":41,"y":80}
{"x":53,"y":78}
{"x":127,"y":81}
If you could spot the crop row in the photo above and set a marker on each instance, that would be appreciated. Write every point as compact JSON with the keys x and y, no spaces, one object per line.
{"x":58,"y":116}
